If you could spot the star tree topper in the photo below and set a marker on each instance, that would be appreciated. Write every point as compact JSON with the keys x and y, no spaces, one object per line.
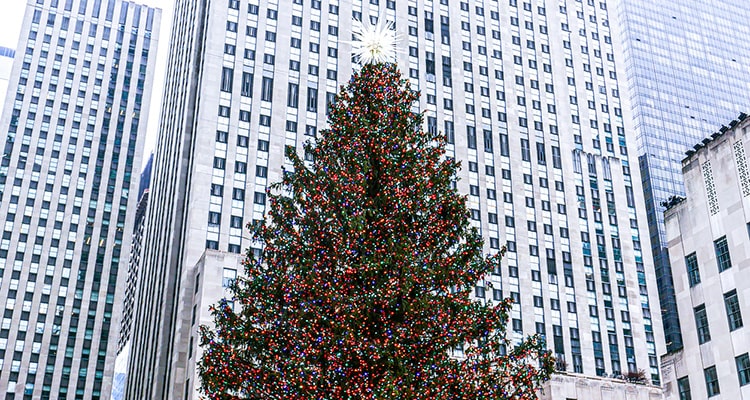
{"x":374,"y":44}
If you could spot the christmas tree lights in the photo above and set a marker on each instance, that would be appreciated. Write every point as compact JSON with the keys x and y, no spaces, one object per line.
{"x":363,"y":290}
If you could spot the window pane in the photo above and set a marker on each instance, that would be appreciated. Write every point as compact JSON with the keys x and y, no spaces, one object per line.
{"x":712,"y":381}
{"x":694,"y":276}
{"x":734,"y":315}
{"x":722,"y":254}
{"x":683,"y":388}
{"x":743,"y":369}
{"x":701,"y":323}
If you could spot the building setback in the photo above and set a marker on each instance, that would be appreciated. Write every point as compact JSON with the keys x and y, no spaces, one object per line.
{"x":708,"y":234}
{"x":531,"y":107}
{"x":680,"y":57}
{"x":73,"y":128}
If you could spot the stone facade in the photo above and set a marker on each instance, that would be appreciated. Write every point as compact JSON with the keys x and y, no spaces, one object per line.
{"x":709,"y":244}
{"x":532,"y":109}
{"x":570,"y":386}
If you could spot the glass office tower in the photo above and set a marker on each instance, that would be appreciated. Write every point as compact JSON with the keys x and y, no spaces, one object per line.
{"x":72,"y":130}
{"x":686,"y":67}
{"x":528,"y":94}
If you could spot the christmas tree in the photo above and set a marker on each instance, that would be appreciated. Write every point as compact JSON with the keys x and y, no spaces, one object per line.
{"x":363,"y":287}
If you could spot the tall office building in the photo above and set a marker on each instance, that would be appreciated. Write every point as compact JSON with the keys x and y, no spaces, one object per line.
{"x":528,"y":95}
{"x":680,"y":59}
{"x":72,"y":131}
{"x":708,"y":238}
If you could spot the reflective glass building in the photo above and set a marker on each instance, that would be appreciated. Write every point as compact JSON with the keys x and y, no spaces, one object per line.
{"x":687,"y":68}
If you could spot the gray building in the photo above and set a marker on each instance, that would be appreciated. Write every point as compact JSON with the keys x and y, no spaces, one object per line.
{"x":529,"y":97}
{"x":131,"y":282}
{"x":708,"y":238}
{"x":680,"y":58}
{"x":73,"y":129}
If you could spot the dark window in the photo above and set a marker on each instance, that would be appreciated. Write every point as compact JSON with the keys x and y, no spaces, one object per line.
{"x":260,"y":198}
{"x":712,"y":381}
{"x":293,"y":95}
{"x":734,"y":315}
{"x":247,"y":84}
{"x":525,"y":152}
{"x":683,"y":388}
{"x":701,"y":324}
{"x":219,"y":163}
{"x":221,"y":136}
{"x":267,"y":90}
{"x":471,"y":137}
{"x":242,"y":141}
{"x":743,"y":369}
{"x":541,"y":154}
{"x":227,"y":75}
{"x":694,"y":275}
{"x":722,"y":254}
{"x":312,"y":99}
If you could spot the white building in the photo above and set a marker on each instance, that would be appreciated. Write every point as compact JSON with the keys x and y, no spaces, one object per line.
{"x":708,"y":235}
{"x":527,"y":93}
{"x":73,"y":128}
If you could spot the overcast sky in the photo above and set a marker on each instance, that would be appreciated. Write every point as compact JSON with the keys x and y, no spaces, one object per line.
{"x":11,"y":16}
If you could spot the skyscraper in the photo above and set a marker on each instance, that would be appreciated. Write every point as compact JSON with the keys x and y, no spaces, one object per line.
{"x":529,"y":100}
{"x":72,"y":131}
{"x":681,"y":60}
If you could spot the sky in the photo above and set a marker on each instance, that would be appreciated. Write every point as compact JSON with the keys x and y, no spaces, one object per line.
{"x":10,"y":26}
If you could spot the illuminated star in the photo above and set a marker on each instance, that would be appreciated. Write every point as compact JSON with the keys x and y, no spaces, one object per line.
{"x":374,"y":44}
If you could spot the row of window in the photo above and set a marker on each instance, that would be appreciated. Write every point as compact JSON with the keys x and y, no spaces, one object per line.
{"x":742,"y":363}
{"x":734,"y":316}
{"x":723,"y":261}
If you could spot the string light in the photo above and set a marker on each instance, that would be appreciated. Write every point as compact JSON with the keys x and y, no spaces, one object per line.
{"x":364,"y":291}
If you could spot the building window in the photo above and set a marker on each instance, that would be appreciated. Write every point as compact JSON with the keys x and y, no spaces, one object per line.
{"x":260,"y":198}
{"x":694,"y":275}
{"x":247,"y":84}
{"x":683,"y":388}
{"x":227,"y":75}
{"x":219,"y":162}
{"x":292,"y":95}
{"x":712,"y":381}
{"x":312,"y":99}
{"x":701,"y":324}
{"x":734,"y":316}
{"x":230,"y":274}
{"x":722,"y":254}
{"x":743,"y":369}
{"x":214,"y":218}
{"x":267,"y":89}
{"x":221,"y":136}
